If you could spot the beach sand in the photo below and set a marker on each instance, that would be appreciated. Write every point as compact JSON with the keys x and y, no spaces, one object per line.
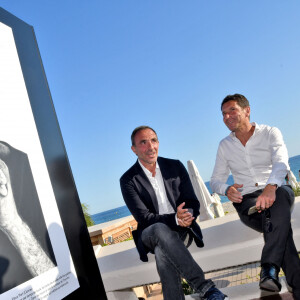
{"x":228,"y":208}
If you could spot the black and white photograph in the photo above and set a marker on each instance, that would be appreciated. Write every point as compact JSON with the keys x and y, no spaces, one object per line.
{"x":25,"y":246}
{"x":35,"y":260}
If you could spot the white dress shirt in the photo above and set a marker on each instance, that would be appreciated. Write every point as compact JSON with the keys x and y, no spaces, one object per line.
{"x":263,"y":160}
{"x":157,"y":183}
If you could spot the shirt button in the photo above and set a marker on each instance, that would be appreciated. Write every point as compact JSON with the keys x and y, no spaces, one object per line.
{"x":256,"y":184}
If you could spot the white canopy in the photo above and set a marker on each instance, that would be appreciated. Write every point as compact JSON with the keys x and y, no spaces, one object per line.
{"x":203,"y":195}
{"x":292,"y":180}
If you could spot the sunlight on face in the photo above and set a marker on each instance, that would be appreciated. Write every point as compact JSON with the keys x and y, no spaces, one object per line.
{"x":146,"y":147}
{"x":234,"y":116}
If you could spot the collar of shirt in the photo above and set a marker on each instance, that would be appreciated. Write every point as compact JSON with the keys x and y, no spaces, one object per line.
{"x":147,"y":172}
{"x":256,"y":131}
{"x":159,"y":188}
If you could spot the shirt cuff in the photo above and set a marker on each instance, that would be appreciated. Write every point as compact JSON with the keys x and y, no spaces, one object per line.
{"x":274,"y":181}
{"x":227,"y":190}
{"x":224,"y":189}
{"x":176,"y":220}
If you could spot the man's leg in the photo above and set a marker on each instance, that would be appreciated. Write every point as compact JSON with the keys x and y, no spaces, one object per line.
{"x":169,"y":276}
{"x":174,"y":261}
{"x":291,"y":261}
{"x":279,"y":248}
{"x":269,"y":270}
{"x":291,"y":266}
{"x":276,"y":241}
{"x":253,"y":221}
{"x":280,"y":217}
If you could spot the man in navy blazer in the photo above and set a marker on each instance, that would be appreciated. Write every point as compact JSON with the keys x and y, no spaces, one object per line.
{"x":160,"y":196}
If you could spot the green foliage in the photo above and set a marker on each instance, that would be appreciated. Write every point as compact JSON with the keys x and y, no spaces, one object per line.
{"x":187,"y":290}
{"x":297,"y":191}
{"x":88,"y":219}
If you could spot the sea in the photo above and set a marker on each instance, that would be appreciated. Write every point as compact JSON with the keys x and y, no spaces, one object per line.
{"x":122,"y":211}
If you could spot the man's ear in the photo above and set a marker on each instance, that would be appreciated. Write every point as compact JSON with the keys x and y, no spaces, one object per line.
{"x":133,"y":149}
{"x":247,"y":110}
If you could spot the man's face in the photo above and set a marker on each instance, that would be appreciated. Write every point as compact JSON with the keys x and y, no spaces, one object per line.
{"x":234,"y":116}
{"x":146,"y":147}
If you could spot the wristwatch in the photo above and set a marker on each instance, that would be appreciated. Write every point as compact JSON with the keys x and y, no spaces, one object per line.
{"x":227,"y":190}
{"x":273,"y":184}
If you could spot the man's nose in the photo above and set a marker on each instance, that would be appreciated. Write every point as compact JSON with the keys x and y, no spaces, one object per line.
{"x":226,"y":116}
{"x":150,"y":145}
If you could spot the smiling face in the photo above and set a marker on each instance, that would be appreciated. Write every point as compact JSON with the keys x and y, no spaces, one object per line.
{"x":235,"y":117}
{"x":146,"y":147}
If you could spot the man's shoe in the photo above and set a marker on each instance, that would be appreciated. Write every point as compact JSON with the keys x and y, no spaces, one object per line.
{"x":269,"y":278}
{"x":214,"y":294}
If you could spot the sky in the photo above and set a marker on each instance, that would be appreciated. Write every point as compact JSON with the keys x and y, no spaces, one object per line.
{"x":114,"y":65}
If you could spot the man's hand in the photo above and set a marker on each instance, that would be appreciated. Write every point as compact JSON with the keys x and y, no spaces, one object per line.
{"x":233,"y":194}
{"x":184,"y":218}
{"x":267,"y":198}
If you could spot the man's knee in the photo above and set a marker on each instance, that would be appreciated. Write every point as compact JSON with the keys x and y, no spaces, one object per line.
{"x":157,"y":231}
{"x":282,"y":207}
{"x":285,"y":195}
{"x":253,"y":221}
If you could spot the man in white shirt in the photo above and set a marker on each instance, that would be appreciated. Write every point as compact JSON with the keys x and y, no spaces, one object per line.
{"x":257,"y":158}
{"x":158,"y":192}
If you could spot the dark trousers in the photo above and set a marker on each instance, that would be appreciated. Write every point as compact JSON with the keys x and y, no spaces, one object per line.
{"x":173,"y":261}
{"x":279,"y":248}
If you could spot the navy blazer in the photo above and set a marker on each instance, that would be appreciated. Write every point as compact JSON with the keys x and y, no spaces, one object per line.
{"x":141,"y":200}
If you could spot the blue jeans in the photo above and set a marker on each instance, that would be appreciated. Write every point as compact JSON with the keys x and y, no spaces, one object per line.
{"x":173,"y":261}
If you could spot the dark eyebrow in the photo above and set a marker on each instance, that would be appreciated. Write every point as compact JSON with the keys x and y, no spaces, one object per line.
{"x":230,"y":108}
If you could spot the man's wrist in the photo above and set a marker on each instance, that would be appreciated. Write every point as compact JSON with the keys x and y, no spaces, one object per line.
{"x":272,"y":185}
{"x":226,"y":191}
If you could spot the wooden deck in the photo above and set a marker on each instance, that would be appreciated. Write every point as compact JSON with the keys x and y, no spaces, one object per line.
{"x":112,"y":232}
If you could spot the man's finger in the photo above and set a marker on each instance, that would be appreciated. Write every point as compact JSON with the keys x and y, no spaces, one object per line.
{"x":181,"y":205}
{"x":261,"y":204}
{"x":235,"y":196}
{"x":188,"y":218}
{"x":181,"y":223}
{"x":257,"y":203}
{"x":237,"y":186}
{"x":235,"y":200}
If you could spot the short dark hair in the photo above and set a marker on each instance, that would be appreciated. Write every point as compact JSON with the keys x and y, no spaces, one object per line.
{"x":240,"y":99}
{"x":136,"y":130}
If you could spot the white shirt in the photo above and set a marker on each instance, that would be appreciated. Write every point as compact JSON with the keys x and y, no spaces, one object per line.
{"x":263,"y":160}
{"x":157,"y":183}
